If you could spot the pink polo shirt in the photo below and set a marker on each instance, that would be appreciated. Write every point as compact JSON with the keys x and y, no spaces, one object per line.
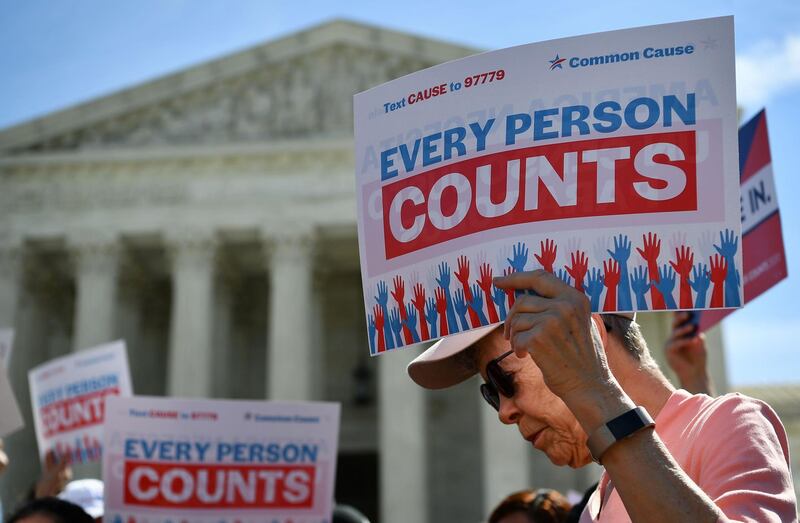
{"x":733,"y":447}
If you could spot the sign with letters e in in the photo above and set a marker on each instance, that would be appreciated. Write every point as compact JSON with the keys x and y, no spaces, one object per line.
{"x":609,"y":160}
{"x":172,"y":459}
{"x":68,"y":396}
{"x":763,"y":255}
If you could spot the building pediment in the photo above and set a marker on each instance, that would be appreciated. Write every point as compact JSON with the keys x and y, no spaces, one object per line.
{"x":299,"y":86}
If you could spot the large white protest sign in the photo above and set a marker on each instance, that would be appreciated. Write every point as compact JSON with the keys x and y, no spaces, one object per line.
{"x":68,"y":396}
{"x":607,"y":159}
{"x":210,"y":460}
{"x":6,"y":346}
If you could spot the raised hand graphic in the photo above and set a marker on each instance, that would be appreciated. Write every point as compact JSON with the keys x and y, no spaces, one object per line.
{"x":718,"y":273}
{"x":547,"y":254}
{"x":444,"y":283}
{"x":509,"y":292}
{"x":382,"y":299}
{"x":410,"y":322}
{"x":519,"y":257}
{"x":397,"y":326}
{"x":665,"y":285}
{"x":477,"y":304}
{"x":611,"y":277}
{"x":564,"y":276}
{"x":461,"y":308}
{"x":640,"y":285}
{"x":700,"y":282}
{"x":463,"y":276}
{"x":499,"y":299}
{"x":651,"y":249}
{"x":419,"y":303}
{"x":577,"y":269}
{"x":441,"y":308}
{"x":684,"y":261}
{"x":485,"y":283}
{"x":378,"y":313}
{"x":399,"y":295}
{"x":431,"y":314}
{"x":621,"y":254}
{"x":728,"y":245}
{"x":371,"y":330}
{"x":594,"y":287}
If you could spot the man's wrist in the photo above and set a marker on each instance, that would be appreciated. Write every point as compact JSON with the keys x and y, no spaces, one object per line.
{"x":598,"y":405}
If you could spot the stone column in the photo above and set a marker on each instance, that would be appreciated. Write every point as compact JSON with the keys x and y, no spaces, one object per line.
{"x":10,"y":264}
{"x":190,"y":356}
{"x":402,"y":443}
{"x":715,"y":348}
{"x":505,"y":458}
{"x":289,"y":358}
{"x":96,"y":267}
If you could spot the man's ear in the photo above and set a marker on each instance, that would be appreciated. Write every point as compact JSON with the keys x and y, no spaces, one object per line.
{"x":602,"y":333}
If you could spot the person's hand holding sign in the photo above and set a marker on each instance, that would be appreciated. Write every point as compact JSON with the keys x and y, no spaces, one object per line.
{"x":556,"y":329}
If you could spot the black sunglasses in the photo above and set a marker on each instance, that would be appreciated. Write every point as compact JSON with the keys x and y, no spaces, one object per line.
{"x":499,"y":382}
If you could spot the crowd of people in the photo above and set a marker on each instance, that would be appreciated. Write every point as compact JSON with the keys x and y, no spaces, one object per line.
{"x":708,"y":459}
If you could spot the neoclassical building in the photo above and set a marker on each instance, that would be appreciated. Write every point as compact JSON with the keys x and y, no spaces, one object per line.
{"x":208,"y":219}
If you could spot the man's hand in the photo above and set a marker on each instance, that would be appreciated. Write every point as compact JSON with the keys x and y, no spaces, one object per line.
{"x":555,"y":328}
{"x":55,"y":476}
{"x":686,"y":355}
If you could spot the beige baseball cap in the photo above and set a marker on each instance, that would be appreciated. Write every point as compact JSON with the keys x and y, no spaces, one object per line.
{"x":438,"y":368}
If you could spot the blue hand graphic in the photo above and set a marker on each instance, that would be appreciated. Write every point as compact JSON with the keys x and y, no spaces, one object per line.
{"x":444,"y":276}
{"x":519,"y":257}
{"x":640,"y":285}
{"x":382,"y":299}
{"x":431,"y":316}
{"x":564,"y":276}
{"x":728,"y":245}
{"x":621,"y":254}
{"x":477,"y":303}
{"x":397,"y":325}
{"x":700,"y":282}
{"x":461,"y":308}
{"x":499,"y":299}
{"x":666,"y":285}
{"x":595,"y":283}
{"x":411,"y":321}
{"x":371,"y":331}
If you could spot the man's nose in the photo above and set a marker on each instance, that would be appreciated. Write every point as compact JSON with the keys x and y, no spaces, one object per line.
{"x":508,"y":412}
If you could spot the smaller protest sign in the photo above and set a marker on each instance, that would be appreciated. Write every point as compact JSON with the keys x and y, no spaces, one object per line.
{"x":763,"y":256}
{"x":170,"y":459}
{"x":10,"y":416}
{"x":6,"y":345}
{"x":68,"y":396}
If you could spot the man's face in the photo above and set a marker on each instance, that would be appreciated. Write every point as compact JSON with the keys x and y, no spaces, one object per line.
{"x":541,"y":417}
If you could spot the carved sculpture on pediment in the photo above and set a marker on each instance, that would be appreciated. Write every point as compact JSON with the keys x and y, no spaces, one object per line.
{"x":305,"y":96}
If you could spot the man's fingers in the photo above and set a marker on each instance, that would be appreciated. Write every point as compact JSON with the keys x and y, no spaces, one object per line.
{"x":540,"y":281}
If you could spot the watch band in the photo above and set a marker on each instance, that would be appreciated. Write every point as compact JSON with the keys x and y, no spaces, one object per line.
{"x":616,"y":429}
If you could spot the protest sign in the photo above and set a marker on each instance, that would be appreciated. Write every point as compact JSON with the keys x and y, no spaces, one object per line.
{"x":763,"y":255}
{"x":209,"y":460}
{"x":10,"y":416}
{"x":6,"y":345}
{"x":608,"y":159}
{"x":68,"y":396}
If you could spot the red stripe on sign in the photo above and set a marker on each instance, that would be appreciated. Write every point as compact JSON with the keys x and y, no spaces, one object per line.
{"x":638,"y":174}
{"x":75,"y":413}
{"x":759,"y":154}
{"x":218,"y":486}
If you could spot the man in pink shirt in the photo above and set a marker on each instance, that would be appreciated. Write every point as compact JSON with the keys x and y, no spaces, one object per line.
{"x":581,"y":387}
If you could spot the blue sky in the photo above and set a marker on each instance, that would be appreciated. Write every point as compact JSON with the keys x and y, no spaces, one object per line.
{"x":54,"y":54}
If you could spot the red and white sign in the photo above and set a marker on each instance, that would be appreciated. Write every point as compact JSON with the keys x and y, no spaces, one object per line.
{"x":763,"y":254}
{"x":209,"y":459}
{"x":68,"y":396}
{"x":607,"y":159}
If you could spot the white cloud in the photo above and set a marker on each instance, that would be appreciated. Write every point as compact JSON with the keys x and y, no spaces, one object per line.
{"x":767,"y":69}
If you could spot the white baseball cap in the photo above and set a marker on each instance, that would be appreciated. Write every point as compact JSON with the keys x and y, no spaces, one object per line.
{"x":438,"y":368}
{"x":87,"y":494}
